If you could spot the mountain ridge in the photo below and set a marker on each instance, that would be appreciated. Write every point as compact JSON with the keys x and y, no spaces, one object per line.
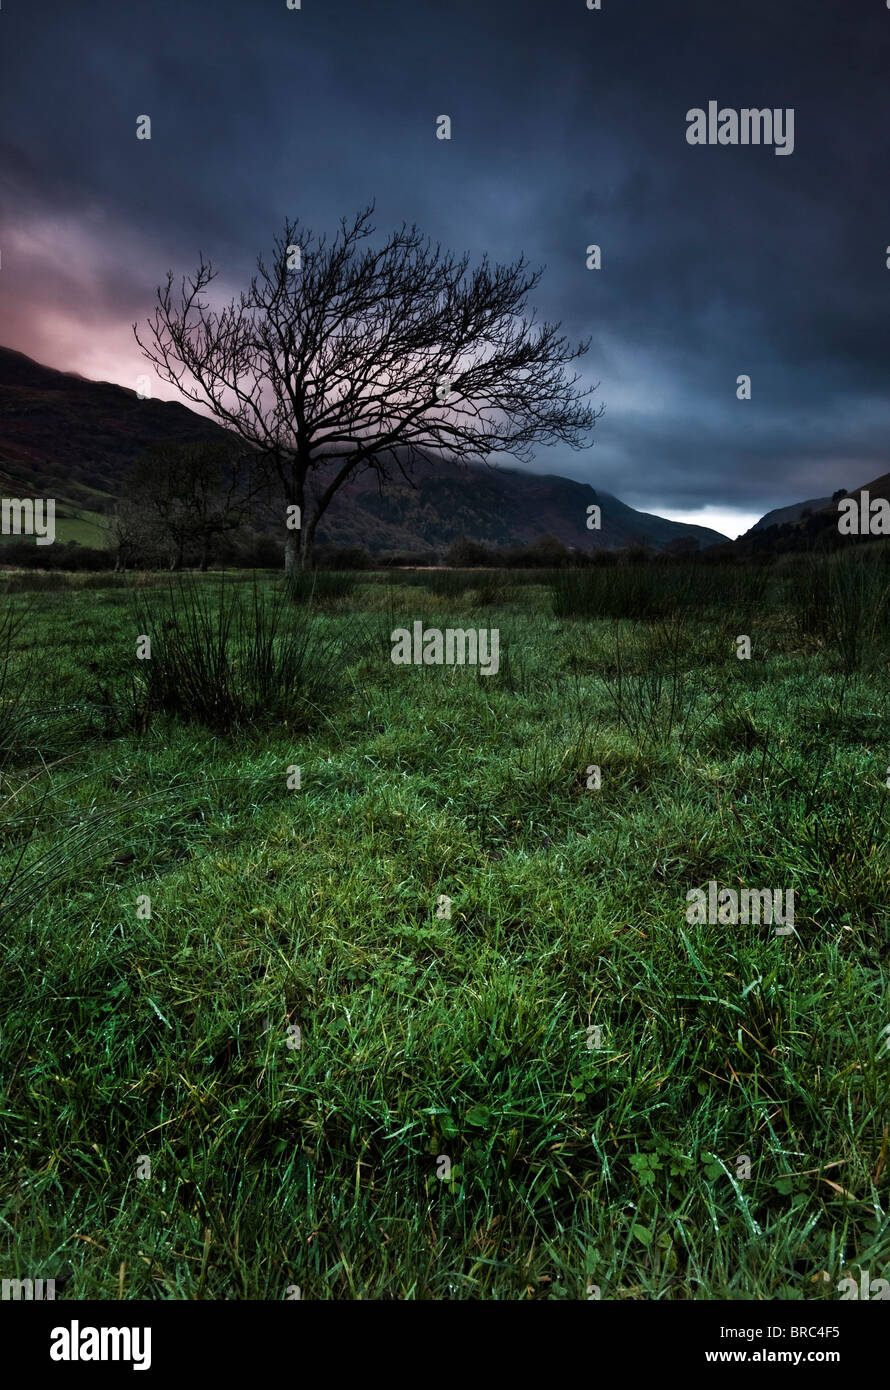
{"x":65,"y":435}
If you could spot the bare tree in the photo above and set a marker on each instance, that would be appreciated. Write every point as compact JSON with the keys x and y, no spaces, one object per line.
{"x":154,"y":493}
{"x":341,"y":358}
{"x":194,"y":492}
{"x":131,"y":534}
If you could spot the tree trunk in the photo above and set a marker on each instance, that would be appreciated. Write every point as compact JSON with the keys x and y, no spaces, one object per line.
{"x":297,"y":552}
{"x":294,"y":540}
{"x":292,"y":554}
{"x":205,"y":554}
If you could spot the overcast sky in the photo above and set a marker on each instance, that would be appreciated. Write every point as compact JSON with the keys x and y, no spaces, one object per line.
{"x":568,"y":129}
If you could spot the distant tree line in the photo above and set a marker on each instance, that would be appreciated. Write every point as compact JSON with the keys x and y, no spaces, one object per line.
{"x":147,"y":533}
{"x":197,"y":504}
{"x":190,"y":504}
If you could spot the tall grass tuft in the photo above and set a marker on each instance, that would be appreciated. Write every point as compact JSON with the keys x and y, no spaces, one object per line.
{"x":319,"y":586}
{"x":637,"y":589}
{"x":841,"y":601}
{"x":450,"y":583}
{"x":671,"y":696}
{"x":228,"y":661}
{"x":623,"y":591}
{"x":13,"y":685}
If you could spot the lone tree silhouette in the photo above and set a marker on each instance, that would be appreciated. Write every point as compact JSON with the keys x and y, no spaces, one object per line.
{"x":340,"y":358}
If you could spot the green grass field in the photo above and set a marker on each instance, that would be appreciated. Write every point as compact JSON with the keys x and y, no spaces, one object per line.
{"x":71,"y":524}
{"x":299,"y":1070}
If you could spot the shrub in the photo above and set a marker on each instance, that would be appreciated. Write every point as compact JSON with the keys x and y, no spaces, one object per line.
{"x":464,"y":554}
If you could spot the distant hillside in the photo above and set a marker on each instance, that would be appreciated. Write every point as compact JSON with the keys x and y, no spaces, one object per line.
{"x":64,"y":436}
{"x":493,"y":505}
{"x":817,"y":529}
{"x":780,"y":516}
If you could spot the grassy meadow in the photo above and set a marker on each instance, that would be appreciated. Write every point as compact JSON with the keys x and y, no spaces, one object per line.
{"x":246,"y":1049}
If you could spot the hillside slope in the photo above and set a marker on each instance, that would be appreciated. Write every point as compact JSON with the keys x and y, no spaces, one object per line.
{"x":64,"y":436}
{"x":816,"y":530}
{"x":780,"y":516}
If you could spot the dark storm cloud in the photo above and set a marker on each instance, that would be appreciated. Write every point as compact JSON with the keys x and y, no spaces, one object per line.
{"x":568,"y":129}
